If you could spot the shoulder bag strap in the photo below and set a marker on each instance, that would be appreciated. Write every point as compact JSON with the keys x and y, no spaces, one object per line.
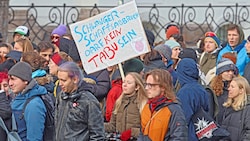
{"x":14,"y":127}
{"x":25,"y":104}
{"x":152,"y":118}
{"x":2,"y":124}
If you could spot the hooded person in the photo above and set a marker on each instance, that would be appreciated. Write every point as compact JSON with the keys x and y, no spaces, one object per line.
{"x":166,"y":53}
{"x":69,"y":47}
{"x":192,"y":94}
{"x":32,"y":121}
{"x":236,"y":44}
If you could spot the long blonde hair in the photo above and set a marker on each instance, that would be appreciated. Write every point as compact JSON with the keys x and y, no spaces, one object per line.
{"x":141,"y":93}
{"x":239,"y":102}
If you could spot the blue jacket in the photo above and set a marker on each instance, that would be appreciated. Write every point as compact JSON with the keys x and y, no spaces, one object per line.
{"x":31,"y":126}
{"x":191,"y":94}
{"x":242,"y":57}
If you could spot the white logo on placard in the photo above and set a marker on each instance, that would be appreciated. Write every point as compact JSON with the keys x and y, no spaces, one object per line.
{"x":204,"y":128}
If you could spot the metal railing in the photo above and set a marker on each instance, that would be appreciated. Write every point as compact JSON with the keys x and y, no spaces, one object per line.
{"x":193,"y":21}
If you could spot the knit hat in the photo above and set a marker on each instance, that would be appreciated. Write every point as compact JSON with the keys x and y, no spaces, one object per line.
{"x":60,"y":30}
{"x":225,"y":64}
{"x":23,"y":30}
{"x":133,"y":65}
{"x":150,"y":37}
{"x":21,"y":70}
{"x":171,"y":31}
{"x":230,"y":55}
{"x":164,"y":50}
{"x":172,"y":44}
{"x":214,"y":37}
{"x":188,"y":53}
{"x":57,"y":59}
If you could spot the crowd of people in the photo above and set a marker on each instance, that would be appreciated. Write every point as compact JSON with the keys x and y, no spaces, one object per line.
{"x":167,"y":94}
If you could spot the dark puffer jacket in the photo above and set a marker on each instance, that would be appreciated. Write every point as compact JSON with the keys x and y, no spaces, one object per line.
{"x":5,"y":114}
{"x":78,"y":117}
{"x":238,"y":123}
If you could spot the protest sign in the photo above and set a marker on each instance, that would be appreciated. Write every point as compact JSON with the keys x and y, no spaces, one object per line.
{"x":110,"y":37}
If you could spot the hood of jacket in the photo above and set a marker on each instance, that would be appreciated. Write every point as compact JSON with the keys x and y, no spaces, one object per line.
{"x":31,"y":89}
{"x":153,"y":65}
{"x":187,"y":71}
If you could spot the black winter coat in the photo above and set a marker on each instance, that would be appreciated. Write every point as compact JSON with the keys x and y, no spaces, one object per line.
{"x":78,"y":117}
{"x":5,"y":114}
{"x":238,"y":123}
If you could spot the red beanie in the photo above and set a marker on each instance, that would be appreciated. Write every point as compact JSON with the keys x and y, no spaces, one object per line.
{"x":56,"y":58}
{"x":171,"y":31}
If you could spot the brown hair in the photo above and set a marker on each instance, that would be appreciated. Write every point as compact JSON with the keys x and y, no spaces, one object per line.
{"x":25,"y":43}
{"x":164,"y":78}
{"x":43,"y":46}
{"x":34,"y":59}
{"x":65,"y":56}
{"x":7,"y":45}
{"x":239,"y":30}
{"x":150,"y":56}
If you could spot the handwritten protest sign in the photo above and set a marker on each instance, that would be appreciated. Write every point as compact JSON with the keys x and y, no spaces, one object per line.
{"x":110,"y":37}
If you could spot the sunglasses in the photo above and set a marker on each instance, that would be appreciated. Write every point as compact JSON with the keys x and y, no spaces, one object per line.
{"x":54,"y":37}
{"x":210,"y":34}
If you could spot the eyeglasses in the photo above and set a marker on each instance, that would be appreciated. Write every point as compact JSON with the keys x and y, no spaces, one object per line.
{"x":150,"y":85}
{"x":210,"y":34}
{"x":54,"y":37}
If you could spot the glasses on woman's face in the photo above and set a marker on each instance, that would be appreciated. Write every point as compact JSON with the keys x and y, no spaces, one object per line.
{"x":150,"y":85}
{"x":210,"y":34}
{"x":54,"y":37}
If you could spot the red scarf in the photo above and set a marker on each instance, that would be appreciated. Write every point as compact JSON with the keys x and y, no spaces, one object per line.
{"x":158,"y":100}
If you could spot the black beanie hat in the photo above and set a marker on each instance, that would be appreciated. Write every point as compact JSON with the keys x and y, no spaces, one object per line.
{"x":133,"y":65}
{"x":21,"y":70}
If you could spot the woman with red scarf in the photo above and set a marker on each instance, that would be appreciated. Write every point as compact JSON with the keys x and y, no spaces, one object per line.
{"x":162,"y":117}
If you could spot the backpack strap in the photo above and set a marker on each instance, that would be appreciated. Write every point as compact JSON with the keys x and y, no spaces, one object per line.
{"x":2,"y":124}
{"x":25,"y":104}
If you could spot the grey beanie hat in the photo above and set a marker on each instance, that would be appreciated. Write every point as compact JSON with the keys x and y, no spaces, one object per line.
{"x":225,"y":64}
{"x":21,"y":70}
{"x":165,"y":50}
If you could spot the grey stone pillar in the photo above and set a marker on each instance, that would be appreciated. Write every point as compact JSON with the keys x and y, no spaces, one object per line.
{"x":4,"y":11}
